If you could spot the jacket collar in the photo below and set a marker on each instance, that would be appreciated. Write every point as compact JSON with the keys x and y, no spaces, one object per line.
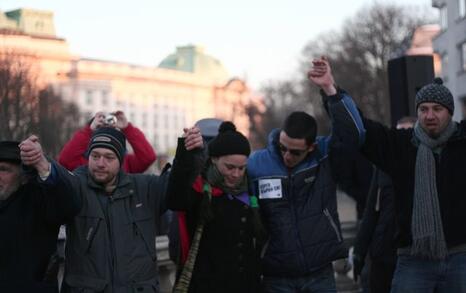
{"x":123,"y":181}
{"x":272,"y":148}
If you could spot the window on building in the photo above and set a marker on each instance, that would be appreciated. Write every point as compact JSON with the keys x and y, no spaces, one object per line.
{"x":463,"y":56}
{"x":166,"y":120}
{"x":104,"y":98}
{"x":89,"y":98}
{"x":144,"y":120}
{"x":445,"y":66}
{"x":443,"y":18}
{"x":461,"y":8}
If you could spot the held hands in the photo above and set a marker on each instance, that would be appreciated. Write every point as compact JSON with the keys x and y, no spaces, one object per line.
{"x":193,"y":138}
{"x":321,"y":75}
{"x":32,"y":155}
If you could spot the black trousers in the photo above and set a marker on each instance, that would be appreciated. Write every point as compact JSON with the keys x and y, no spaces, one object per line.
{"x":381,"y":275}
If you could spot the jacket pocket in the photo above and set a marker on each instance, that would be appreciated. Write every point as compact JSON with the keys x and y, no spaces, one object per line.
{"x":333,"y":224}
{"x":87,"y":228}
{"x":149,"y":286}
{"x":84,"y":284}
{"x":144,"y":229}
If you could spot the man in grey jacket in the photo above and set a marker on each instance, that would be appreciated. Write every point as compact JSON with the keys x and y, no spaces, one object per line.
{"x":111,"y":242}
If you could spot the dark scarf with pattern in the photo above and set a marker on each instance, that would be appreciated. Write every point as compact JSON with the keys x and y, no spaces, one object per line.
{"x":216,"y":179}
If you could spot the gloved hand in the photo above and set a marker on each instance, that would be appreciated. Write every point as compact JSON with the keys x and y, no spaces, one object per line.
{"x":358,"y":264}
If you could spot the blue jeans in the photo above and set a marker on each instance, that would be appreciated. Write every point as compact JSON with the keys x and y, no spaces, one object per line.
{"x":321,"y":281}
{"x":414,"y":275}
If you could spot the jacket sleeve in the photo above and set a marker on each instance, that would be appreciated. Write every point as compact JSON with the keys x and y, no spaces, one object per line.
{"x":355,"y":178}
{"x":144,"y":154}
{"x":61,"y":196}
{"x":384,"y":146}
{"x":73,"y":153}
{"x":347,"y":135}
{"x":369,"y":220}
{"x":347,"y":126}
{"x":186,"y":166}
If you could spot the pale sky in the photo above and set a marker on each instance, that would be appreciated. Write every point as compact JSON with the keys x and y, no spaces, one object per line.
{"x":260,"y":40}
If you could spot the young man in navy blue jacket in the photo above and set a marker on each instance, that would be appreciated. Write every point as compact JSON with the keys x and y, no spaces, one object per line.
{"x":295,"y":180}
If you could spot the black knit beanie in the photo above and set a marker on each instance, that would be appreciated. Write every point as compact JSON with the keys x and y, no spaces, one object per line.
{"x":436,"y":92}
{"x":229,"y":142}
{"x":109,"y":138}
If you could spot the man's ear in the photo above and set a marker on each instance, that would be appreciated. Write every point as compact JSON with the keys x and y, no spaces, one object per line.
{"x":311,"y":147}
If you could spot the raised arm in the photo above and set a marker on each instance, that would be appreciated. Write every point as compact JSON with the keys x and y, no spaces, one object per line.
{"x":381,"y":145}
{"x":186,"y":167}
{"x":61,"y":202}
{"x":347,"y":125}
{"x":144,"y":154}
{"x":73,"y":154}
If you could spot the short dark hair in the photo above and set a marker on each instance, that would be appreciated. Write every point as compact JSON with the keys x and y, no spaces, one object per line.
{"x":300,"y":125}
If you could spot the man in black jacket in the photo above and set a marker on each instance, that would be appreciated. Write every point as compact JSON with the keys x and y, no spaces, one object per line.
{"x":30,"y":216}
{"x":427,"y":166}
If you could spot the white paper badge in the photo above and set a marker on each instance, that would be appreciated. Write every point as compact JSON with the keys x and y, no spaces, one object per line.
{"x":270,"y":188}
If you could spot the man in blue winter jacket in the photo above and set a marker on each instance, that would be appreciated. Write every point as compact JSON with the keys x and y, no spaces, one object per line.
{"x":295,"y":180}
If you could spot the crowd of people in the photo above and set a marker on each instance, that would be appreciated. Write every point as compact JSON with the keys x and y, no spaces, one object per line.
{"x":243,"y":220}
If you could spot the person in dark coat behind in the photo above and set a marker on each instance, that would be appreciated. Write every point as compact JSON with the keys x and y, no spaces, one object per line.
{"x":376,"y":236}
{"x":30,"y":217}
{"x":222,"y":223}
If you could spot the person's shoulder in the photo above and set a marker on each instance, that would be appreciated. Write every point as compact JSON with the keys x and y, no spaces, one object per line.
{"x":259,"y":157}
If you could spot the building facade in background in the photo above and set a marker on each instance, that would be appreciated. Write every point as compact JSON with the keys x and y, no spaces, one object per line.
{"x":421,"y":44}
{"x":188,"y":85}
{"x":450,"y":44}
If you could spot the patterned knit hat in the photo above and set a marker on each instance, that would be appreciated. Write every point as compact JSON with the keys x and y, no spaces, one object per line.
{"x":229,"y":142}
{"x":109,"y":138}
{"x":436,"y":92}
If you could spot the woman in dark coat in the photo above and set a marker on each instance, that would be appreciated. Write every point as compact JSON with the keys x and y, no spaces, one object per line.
{"x":220,"y":223}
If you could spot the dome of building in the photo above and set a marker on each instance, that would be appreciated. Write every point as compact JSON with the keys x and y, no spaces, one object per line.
{"x":193,"y":59}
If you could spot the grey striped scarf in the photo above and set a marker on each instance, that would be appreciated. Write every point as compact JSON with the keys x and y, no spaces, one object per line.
{"x":426,"y":223}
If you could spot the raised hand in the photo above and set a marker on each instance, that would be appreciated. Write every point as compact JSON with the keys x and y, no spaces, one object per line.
{"x":321,"y":75}
{"x":122,"y":121}
{"x":193,"y":138}
{"x":32,"y":155}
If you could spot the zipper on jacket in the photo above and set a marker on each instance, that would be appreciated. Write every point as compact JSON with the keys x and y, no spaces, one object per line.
{"x":333,"y":224}
{"x":300,"y":251}
{"x":111,"y":241}
{"x":91,"y":234}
